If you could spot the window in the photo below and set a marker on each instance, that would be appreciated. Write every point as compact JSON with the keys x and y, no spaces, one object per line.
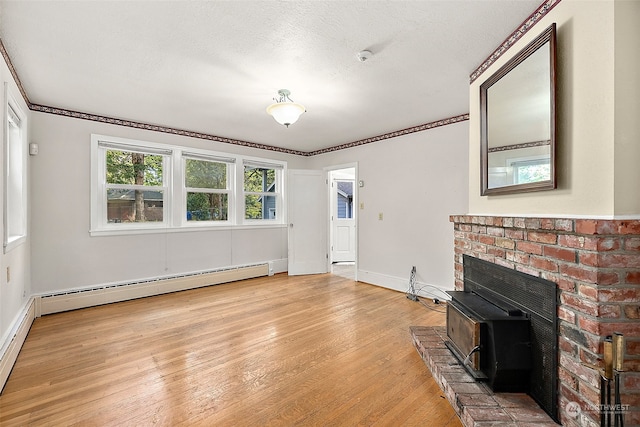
{"x":344,"y":202}
{"x":531,"y":170}
{"x":262,"y":192}
{"x":141,"y":187}
{"x":207,"y":187}
{"x":15,"y":164}
{"x":135,"y":191}
{"x":131,"y":186}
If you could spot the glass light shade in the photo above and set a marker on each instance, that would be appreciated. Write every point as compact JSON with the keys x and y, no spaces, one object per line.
{"x":286,"y":113}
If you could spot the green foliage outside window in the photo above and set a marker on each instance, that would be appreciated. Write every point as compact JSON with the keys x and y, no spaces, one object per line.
{"x":205,"y":174}
{"x":133,"y":168}
{"x":259,"y":180}
{"x":533,"y":173}
{"x":206,"y":206}
{"x":126,"y":167}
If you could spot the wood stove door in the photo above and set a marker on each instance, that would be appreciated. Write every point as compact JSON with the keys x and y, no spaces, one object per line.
{"x":464,"y":333}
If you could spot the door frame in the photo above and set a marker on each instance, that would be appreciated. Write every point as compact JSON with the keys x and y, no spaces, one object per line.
{"x":356,"y":204}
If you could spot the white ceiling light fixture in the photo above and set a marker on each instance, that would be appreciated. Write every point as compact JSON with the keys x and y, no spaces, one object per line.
{"x":284,"y":110}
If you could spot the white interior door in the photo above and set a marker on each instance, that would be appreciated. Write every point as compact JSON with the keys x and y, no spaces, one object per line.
{"x":343,"y":223}
{"x":307,"y":213}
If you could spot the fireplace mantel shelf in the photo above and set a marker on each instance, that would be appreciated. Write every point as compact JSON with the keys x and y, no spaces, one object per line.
{"x":474,"y":402}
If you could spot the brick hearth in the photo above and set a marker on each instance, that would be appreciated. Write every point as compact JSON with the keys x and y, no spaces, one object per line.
{"x":474,"y":402}
{"x":596,"y":265}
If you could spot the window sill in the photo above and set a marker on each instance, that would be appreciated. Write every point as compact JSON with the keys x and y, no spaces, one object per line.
{"x":185,"y":229}
{"x":14,"y":243}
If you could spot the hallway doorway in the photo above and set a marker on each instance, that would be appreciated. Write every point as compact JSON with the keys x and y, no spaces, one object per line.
{"x":342,"y":218}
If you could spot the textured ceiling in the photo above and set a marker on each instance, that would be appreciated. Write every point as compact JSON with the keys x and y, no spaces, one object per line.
{"x":214,"y":66}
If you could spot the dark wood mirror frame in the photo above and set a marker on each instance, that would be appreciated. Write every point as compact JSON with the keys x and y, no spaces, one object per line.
{"x":548,"y":36}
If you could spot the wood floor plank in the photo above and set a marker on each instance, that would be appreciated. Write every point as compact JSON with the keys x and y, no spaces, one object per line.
{"x":317,"y":350}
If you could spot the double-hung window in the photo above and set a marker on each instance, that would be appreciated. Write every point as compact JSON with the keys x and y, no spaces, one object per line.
{"x":15,"y":167}
{"x":262,"y":190}
{"x":207,"y":181}
{"x":132,"y":186}
{"x":144,"y":187}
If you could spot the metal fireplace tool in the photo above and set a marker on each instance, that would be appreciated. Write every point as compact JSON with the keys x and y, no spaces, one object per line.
{"x":613,"y":366}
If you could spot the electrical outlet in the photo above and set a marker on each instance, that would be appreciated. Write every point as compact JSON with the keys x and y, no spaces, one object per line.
{"x":8,"y":274}
{"x":361,"y":205}
{"x":380,"y":216}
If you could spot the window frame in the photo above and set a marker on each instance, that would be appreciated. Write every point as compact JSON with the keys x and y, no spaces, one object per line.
{"x":524,"y":162}
{"x":175,"y":201}
{"x":15,"y":218}
{"x":230,"y":162}
{"x":99,"y":186}
{"x":279,"y":170}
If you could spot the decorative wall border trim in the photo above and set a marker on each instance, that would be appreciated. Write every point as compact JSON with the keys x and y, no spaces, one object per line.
{"x":14,"y":73}
{"x":419,"y":128}
{"x":158,"y":128}
{"x":209,"y":137}
{"x":528,"y":24}
{"x":518,"y":146}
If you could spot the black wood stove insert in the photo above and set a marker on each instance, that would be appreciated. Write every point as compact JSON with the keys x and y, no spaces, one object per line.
{"x":503,"y":328}
{"x":491,"y":339}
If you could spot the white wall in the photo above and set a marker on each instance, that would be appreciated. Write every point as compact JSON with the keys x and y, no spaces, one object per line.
{"x":588,"y":123}
{"x":65,"y":256}
{"x":12,"y":292}
{"x":627,"y":110}
{"x":416,"y":181}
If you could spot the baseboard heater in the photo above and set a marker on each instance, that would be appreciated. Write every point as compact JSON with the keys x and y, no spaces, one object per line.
{"x":106,"y":294}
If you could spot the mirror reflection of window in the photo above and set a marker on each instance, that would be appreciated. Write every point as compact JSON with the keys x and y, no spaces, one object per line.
{"x":528,"y":171}
{"x":499,"y":177}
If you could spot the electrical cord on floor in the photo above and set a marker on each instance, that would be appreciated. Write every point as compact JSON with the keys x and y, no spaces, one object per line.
{"x":433,"y":292}
{"x":414,"y":294}
{"x":418,"y":295}
{"x":437,"y":306}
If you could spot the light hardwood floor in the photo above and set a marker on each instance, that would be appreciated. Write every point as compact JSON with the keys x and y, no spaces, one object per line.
{"x":317,"y":350}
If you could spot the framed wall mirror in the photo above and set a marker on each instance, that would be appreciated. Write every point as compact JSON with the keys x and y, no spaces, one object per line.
{"x":517,"y":121}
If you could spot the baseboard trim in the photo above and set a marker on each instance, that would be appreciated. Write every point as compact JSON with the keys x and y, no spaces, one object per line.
{"x":107,"y":294}
{"x":15,"y":341}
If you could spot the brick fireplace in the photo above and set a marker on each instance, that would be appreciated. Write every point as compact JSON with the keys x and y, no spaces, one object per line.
{"x":596,"y":266}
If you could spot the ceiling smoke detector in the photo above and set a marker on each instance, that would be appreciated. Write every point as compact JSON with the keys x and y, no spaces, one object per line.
{"x":364,"y":55}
